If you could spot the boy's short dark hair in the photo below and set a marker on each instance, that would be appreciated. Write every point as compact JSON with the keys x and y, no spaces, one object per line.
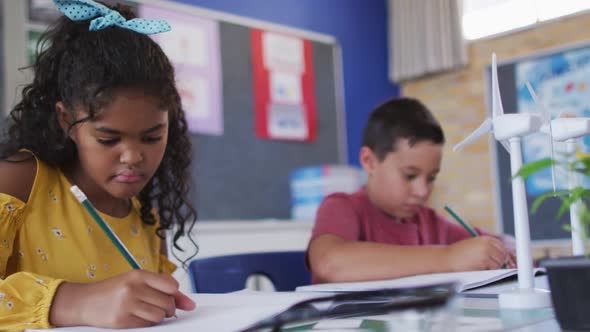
{"x":400,"y":118}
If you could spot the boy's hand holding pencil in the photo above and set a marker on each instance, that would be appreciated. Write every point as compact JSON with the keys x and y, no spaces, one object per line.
{"x":476,"y":253}
{"x":494,"y":252}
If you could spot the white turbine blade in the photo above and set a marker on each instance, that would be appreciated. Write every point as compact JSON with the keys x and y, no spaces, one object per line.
{"x":538,"y":102}
{"x":552,"y":156}
{"x":483,"y":128}
{"x":497,"y":108}
{"x":547,"y":120}
{"x":506,"y":146}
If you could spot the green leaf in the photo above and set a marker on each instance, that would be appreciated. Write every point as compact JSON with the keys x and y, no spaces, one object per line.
{"x":533,"y":167}
{"x":568,"y":196}
{"x":584,"y":161}
{"x":584,"y":214}
{"x":581,"y":165}
{"x":540,"y":199}
{"x":576,"y":193}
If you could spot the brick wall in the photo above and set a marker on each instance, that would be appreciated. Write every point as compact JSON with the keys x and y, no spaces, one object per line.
{"x":458,"y":100}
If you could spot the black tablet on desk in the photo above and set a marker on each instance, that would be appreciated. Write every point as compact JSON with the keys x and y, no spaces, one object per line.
{"x":374,"y":302}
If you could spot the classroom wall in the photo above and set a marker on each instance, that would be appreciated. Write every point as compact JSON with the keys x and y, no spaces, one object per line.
{"x":457,"y":99}
{"x":360,"y":28}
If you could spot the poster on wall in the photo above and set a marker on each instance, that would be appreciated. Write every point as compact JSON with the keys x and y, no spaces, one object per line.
{"x":193,"y":48}
{"x":284,"y":87}
{"x":562,"y":81}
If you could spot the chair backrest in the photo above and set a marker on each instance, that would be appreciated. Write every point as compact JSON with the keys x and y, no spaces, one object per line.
{"x":221,"y":274}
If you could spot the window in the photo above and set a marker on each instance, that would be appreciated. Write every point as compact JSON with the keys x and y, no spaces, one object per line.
{"x":482,"y":18}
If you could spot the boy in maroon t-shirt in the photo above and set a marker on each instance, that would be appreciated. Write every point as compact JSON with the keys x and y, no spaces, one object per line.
{"x":384,"y":230}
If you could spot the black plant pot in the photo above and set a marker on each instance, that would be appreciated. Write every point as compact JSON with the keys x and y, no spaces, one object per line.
{"x":569,"y":281}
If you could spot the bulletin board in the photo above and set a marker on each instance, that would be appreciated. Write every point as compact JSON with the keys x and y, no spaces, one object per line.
{"x":561,"y":78}
{"x":240,"y":176}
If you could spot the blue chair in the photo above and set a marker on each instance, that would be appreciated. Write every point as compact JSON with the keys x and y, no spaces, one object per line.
{"x":222,"y":274}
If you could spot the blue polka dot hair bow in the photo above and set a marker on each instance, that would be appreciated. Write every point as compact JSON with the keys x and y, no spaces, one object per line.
{"x":104,"y":17}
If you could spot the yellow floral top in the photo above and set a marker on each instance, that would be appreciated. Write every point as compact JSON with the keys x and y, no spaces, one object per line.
{"x":51,"y":239}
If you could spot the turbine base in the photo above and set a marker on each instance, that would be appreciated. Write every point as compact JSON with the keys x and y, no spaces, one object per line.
{"x":525,"y":299}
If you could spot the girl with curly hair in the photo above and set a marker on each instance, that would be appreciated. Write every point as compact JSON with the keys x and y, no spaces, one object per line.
{"x":102,"y":113}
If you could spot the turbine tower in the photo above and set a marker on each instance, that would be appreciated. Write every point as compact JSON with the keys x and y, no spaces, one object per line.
{"x":508,"y":130}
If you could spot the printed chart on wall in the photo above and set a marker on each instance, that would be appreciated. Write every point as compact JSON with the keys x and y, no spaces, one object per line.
{"x":284,"y":91}
{"x":193,"y":48}
{"x":562,"y":81}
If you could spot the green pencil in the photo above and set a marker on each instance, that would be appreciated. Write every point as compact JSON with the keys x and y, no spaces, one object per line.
{"x":81,"y":197}
{"x":459,"y":220}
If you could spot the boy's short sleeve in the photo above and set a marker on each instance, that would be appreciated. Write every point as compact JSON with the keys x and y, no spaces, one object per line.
{"x":336,"y":215}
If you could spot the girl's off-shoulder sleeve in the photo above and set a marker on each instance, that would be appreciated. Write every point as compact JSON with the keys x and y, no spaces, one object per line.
{"x":25,"y":298}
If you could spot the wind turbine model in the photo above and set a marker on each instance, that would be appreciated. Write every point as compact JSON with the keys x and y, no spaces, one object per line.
{"x":567,"y":130}
{"x":511,"y":127}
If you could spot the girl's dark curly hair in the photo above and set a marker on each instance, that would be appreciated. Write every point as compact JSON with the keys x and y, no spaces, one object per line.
{"x":85,"y":68}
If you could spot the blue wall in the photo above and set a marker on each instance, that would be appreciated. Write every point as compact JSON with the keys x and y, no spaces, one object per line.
{"x":359,"y":26}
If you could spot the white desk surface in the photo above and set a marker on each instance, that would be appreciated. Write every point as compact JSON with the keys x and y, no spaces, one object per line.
{"x":473,"y":312}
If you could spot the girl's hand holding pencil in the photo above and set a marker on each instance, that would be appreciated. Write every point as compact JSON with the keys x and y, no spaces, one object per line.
{"x":134,"y":299}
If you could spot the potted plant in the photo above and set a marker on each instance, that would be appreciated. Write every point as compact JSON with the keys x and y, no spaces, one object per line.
{"x":569,"y":277}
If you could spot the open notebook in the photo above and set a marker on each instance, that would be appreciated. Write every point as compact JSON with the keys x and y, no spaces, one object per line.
{"x":465,"y":280}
